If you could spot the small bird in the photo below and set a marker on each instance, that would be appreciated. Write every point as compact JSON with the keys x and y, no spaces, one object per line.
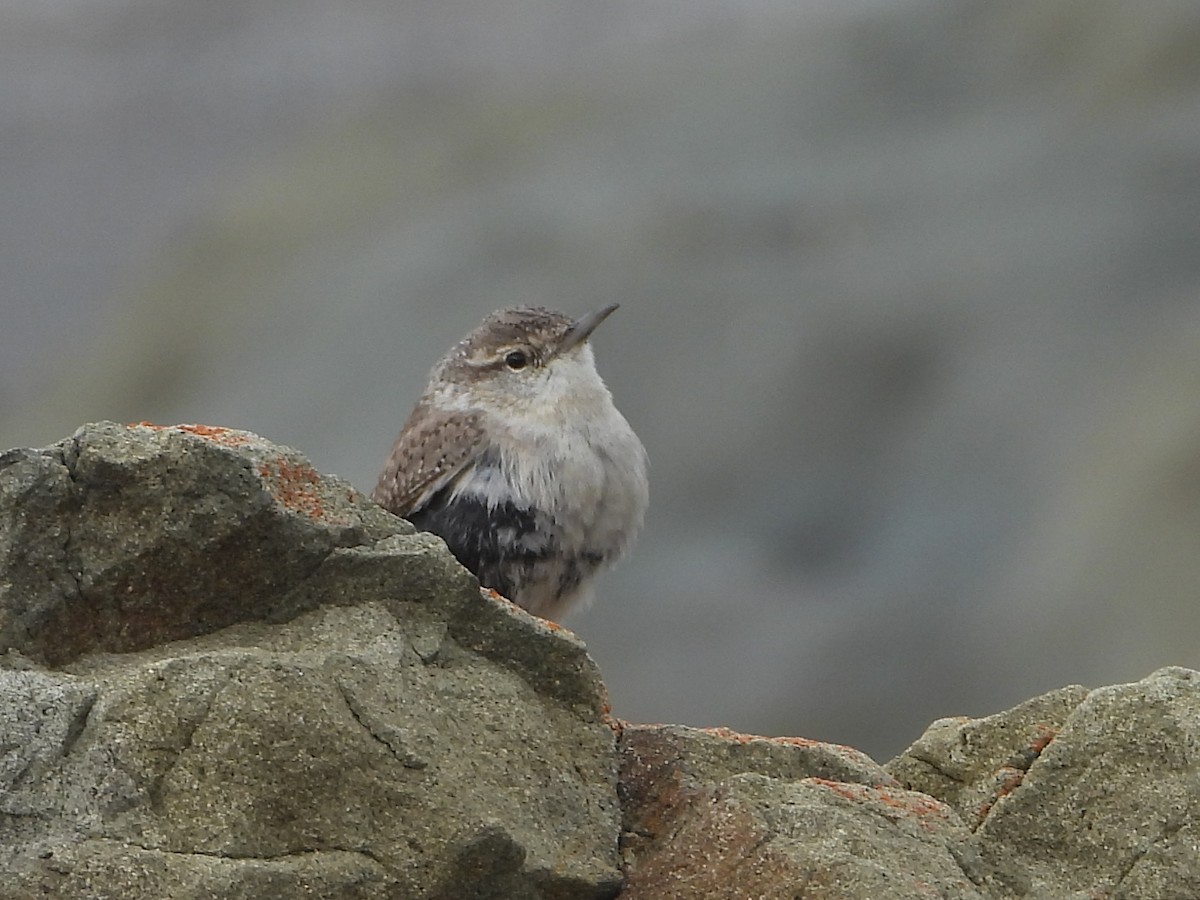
{"x":516,"y":456}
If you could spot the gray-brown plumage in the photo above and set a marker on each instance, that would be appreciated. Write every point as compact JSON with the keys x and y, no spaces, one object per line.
{"x":433,"y":448}
{"x":517,"y":458}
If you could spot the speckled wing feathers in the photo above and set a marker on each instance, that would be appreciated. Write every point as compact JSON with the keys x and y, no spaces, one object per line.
{"x":433,"y":448}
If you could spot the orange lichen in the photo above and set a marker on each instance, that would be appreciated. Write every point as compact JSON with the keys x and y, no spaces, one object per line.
{"x":497,"y":597}
{"x":295,"y":486}
{"x":204,"y":430}
{"x":212,"y":432}
{"x":218,"y":434}
{"x":738,"y":737}
{"x":1045,"y":735}
{"x":911,"y":802}
{"x":908,"y":803}
{"x":802,"y":742}
{"x":729,"y":734}
{"x":1010,"y":777}
{"x":841,"y":788}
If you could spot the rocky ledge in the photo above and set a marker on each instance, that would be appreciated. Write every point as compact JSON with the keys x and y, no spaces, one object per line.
{"x":227,"y":675}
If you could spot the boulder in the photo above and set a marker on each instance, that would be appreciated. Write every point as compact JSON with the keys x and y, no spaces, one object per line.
{"x":716,"y":814}
{"x":1072,"y":795}
{"x":229,"y":676}
{"x":1076,"y":793}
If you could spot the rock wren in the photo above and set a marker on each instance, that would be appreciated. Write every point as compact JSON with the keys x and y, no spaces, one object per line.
{"x":517,"y":458}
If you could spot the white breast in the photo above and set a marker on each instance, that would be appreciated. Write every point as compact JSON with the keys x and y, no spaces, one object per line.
{"x":573,"y":456}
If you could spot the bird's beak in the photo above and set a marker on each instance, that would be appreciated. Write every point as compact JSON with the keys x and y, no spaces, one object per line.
{"x":582,"y":327}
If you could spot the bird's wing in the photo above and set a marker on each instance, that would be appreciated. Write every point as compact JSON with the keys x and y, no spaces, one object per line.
{"x":432,"y":450}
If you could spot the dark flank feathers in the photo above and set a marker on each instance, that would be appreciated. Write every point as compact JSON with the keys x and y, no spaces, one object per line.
{"x":502,"y":546}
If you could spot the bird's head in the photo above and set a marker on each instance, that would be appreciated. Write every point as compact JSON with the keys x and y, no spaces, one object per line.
{"x":525,"y":361}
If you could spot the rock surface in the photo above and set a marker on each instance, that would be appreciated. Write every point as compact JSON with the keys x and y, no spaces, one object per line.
{"x":225,"y":675}
{"x":717,"y":814}
{"x":1076,"y":793}
{"x":228,"y":676}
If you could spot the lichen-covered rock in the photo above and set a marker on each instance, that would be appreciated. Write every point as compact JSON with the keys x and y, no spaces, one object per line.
{"x":122,"y":537}
{"x":971,"y":763}
{"x":1073,"y":795}
{"x":229,"y":676}
{"x":1077,"y":793}
{"x":715,"y":814}
{"x":225,"y":675}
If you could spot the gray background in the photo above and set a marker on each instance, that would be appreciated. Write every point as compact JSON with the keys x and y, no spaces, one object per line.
{"x":909,"y":295}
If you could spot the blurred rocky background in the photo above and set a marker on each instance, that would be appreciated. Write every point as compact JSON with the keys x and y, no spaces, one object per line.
{"x":910,"y":320}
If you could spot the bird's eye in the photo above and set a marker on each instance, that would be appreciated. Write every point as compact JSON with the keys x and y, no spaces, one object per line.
{"x":516,"y":359}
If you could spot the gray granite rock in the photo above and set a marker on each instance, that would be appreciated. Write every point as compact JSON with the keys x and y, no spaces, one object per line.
{"x":225,"y":675}
{"x":1072,"y":795}
{"x":971,"y":763}
{"x":1077,"y":793}
{"x":715,"y":814}
{"x":121,"y":537}
{"x":230,"y":676}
